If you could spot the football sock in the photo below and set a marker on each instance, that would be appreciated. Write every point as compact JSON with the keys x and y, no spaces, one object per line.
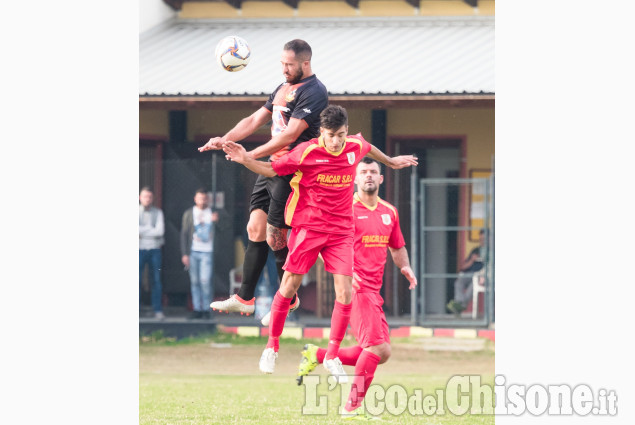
{"x":279,"y":310}
{"x":364,"y":374}
{"x":255,"y":260}
{"x":339,"y":322}
{"x":348,"y":356}
{"x":281,"y":257}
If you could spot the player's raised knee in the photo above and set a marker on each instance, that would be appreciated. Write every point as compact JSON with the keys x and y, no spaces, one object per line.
{"x":256,"y":229}
{"x":382,"y":350}
{"x":290,"y":284}
{"x":385,"y":353}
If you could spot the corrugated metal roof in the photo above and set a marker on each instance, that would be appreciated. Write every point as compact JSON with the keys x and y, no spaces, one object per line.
{"x":419,"y":55}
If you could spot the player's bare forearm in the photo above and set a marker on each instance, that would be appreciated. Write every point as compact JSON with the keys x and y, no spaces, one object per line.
{"x":396,"y":162}
{"x":288,"y":136}
{"x":400,"y":258}
{"x":259,"y":167}
{"x":237,"y":153}
{"x":272,"y":146}
{"x":244,"y":128}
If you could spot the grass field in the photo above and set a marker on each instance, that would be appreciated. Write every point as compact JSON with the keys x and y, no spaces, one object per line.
{"x":215,"y":380}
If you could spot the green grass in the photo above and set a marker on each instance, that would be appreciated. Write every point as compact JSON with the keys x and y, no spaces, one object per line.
{"x":191,"y":382}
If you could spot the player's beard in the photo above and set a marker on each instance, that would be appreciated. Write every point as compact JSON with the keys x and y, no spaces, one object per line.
{"x":295,"y":79}
{"x":370,"y":189}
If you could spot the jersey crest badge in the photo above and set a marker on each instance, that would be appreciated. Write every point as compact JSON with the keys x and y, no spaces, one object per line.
{"x":351,"y":157}
{"x":290,"y":96}
{"x":385,"y":218}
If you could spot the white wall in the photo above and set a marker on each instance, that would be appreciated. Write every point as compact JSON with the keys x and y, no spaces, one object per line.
{"x":153,"y":12}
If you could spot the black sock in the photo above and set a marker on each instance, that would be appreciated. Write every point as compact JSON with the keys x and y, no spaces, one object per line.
{"x":281,"y":257}
{"x":255,"y":260}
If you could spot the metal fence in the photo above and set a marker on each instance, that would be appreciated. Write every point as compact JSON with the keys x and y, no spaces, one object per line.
{"x":434,"y":248}
{"x":182,"y":170}
{"x":433,"y":237}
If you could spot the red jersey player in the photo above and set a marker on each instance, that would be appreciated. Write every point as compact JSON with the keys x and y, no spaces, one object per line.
{"x":376,"y":229}
{"x":320,"y":214}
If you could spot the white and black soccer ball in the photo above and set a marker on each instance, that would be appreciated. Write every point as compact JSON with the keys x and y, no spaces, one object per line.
{"x":233,"y":53}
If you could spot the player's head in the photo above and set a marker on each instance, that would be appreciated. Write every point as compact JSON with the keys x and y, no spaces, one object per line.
{"x":368,"y":176}
{"x":146,"y":196}
{"x":334,"y":127}
{"x":296,"y":61}
{"x":200,"y":198}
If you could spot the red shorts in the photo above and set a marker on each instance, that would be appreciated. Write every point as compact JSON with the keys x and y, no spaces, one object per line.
{"x":305,"y":245}
{"x":368,"y":321}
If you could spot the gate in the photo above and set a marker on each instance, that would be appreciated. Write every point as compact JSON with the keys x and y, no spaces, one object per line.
{"x":430,"y":252}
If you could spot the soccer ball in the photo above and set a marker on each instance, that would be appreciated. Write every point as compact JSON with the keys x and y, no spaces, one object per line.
{"x":233,"y":53}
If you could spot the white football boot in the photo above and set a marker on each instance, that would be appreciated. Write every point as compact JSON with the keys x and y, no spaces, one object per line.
{"x":234,"y":304}
{"x":268,"y":360}
{"x":335,"y":368}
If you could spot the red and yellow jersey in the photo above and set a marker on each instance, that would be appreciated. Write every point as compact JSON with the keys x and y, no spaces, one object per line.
{"x":376,"y":229}
{"x":323,"y":184}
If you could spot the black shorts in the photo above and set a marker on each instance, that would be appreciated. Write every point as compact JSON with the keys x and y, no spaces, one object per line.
{"x":270,"y":194}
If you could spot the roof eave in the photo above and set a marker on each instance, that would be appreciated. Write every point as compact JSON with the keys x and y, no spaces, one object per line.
{"x":379,"y":101}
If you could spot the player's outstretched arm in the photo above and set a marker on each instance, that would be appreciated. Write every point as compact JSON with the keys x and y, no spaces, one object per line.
{"x":400,"y":258}
{"x":244,"y":128}
{"x":237,"y":153}
{"x":395,"y":162}
{"x":281,"y":140}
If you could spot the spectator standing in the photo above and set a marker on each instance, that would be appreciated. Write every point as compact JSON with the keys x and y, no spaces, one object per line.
{"x":197,"y":252}
{"x":151,"y":231}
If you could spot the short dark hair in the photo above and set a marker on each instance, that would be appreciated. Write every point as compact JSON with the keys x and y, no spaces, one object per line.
{"x":333,"y":117}
{"x":300,"y":48}
{"x":369,"y":160}
{"x":201,"y":190}
{"x":146,"y":188}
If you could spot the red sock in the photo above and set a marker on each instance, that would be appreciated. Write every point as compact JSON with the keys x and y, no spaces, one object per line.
{"x":321,"y":352}
{"x":279,"y":311}
{"x":364,"y":374}
{"x":348,"y":355}
{"x":339,"y":322}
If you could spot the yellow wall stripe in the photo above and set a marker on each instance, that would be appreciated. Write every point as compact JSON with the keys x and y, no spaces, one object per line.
{"x":288,"y":332}
{"x":419,"y":331}
{"x":248,"y":331}
{"x":465,"y":333}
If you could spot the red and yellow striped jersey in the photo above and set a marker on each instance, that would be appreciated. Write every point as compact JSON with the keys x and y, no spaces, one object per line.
{"x":323,"y":184}
{"x":376,"y":229}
